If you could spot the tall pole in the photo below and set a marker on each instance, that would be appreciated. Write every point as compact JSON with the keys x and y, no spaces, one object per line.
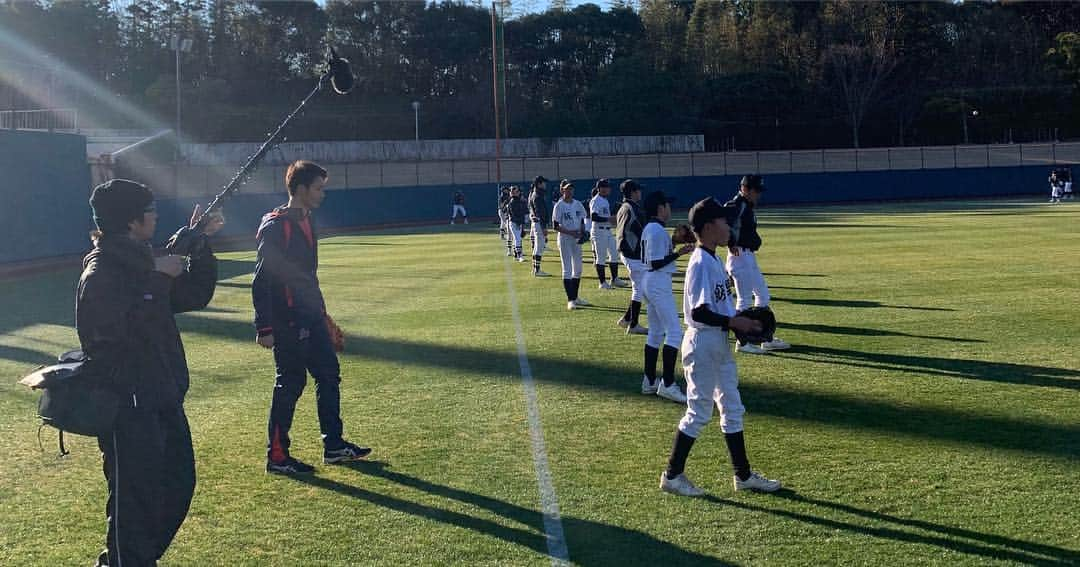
{"x":177,"y":51}
{"x":495,"y":97}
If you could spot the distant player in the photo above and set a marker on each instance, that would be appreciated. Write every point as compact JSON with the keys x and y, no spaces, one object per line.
{"x":569,"y":218}
{"x":1066,"y":177}
{"x":504,"y":233}
{"x":458,"y":202}
{"x":708,"y":364}
{"x":742,"y":259}
{"x":1056,"y":187}
{"x":517,"y":211}
{"x":630,"y":221}
{"x":659,"y":256}
{"x":538,"y":214}
{"x":603,"y":240}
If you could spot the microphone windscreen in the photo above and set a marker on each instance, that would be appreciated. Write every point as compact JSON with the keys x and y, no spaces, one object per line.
{"x":340,"y":75}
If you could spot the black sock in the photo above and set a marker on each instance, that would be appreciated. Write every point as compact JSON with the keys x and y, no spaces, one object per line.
{"x":680,"y":450}
{"x":737,"y":447}
{"x":536,"y":264}
{"x":651,"y":354}
{"x":568,"y":286}
{"x":669,"y":355}
{"x":576,"y":285}
{"x":629,"y":311}
{"x":614,"y":269}
{"x":517,"y":252}
{"x":600,"y":273}
{"x":635,"y":313}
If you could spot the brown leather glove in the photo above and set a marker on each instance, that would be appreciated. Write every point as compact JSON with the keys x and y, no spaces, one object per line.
{"x":683,"y":235}
{"x":337,"y":336}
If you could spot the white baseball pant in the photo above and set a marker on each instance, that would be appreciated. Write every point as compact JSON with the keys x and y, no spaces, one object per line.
{"x":603,"y":245}
{"x":748,"y":280}
{"x":711,"y":378}
{"x":570,"y":255}
{"x":539,"y":240}
{"x":457,"y":209}
{"x":664,"y":326}
{"x":515,"y":233}
{"x":637,"y":271}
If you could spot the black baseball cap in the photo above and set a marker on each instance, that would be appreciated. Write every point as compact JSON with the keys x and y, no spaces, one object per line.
{"x":565,"y":183}
{"x":708,"y":210}
{"x":539,"y":179}
{"x":653,"y":200}
{"x":754,"y":182}
{"x":603,"y":182}
{"x":629,"y":186}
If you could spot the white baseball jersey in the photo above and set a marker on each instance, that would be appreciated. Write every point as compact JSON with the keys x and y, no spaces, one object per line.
{"x":600,"y":206}
{"x":655,"y":245}
{"x":706,"y":284}
{"x":570,"y":216}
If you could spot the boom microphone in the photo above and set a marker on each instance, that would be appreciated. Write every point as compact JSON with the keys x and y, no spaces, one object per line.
{"x":341,"y":77}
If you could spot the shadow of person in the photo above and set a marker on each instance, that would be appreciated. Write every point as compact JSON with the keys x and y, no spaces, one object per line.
{"x":867,"y":332}
{"x":862,"y":303}
{"x":946,"y":537}
{"x":632,"y":546}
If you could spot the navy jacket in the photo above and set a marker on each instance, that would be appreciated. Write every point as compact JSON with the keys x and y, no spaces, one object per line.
{"x":744,"y":234}
{"x":285,"y":289}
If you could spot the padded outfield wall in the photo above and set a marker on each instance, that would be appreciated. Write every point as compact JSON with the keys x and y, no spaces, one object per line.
{"x":46,"y":187}
{"x":346,"y":208}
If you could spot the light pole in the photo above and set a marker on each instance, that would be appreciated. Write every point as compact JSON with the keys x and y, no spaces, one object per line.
{"x":416,"y":120}
{"x":178,"y":45}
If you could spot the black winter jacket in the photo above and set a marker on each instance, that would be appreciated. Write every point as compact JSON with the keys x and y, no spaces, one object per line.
{"x":744,"y":233}
{"x":518,"y":209}
{"x":539,"y":208}
{"x":124,"y":317}
{"x":629,"y":222}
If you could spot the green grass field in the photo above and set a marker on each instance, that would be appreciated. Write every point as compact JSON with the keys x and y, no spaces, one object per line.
{"x":929,"y":412}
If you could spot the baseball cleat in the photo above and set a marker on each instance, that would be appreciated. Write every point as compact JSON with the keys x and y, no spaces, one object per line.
{"x":776,"y":344}
{"x":750,"y":348}
{"x":604,"y":285}
{"x":648,"y":387}
{"x":520,"y":259}
{"x":671,"y":392}
{"x":571,"y":305}
{"x":757,"y":482}
{"x":618,"y":282}
{"x":622,"y":323}
{"x":637,"y":330}
{"x":541,"y":274}
{"x":582,"y":302}
{"x":289,"y":466}
{"x":347,"y":452}
{"x":679,"y":485}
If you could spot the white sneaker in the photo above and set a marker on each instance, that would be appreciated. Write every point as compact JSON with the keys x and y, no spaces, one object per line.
{"x":604,"y":285}
{"x":622,"y":323}
{"x":750,"y":348}
{"x":571,"y":305}
{"x":649,"y":388}
{"x":679,"y":485}
{"x":637,"y":330}
{"x":757,"y":482}
{"x":776,"y":344}
{"x":618,"y":282}
{"x":520,"y":259}
{"x":582,"y":302}
{"x":672,"y":392}
{"x":541,"y":274}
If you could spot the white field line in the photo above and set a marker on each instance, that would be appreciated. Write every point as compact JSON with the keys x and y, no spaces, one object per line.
{"x":549,"y":503}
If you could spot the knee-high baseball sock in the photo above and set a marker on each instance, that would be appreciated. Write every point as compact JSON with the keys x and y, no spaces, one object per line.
{"x":651,"y":354}
{"x":576,"y":286}
{"x":680,"y":450}
{"x":517,"y":251}
{"x":568,"y":286}
{"x":635,"y":313}
{"x":536,"y":264}
{"x":509,"y":245}
{"x":737,"y":447}
{"x":614,"y":269}
{"x":629,"y":311}
{"x":600,"y":273}
{"x":669,"y":354}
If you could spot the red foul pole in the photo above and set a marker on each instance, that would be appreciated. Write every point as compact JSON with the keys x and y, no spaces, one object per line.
{"x":495,"y":92}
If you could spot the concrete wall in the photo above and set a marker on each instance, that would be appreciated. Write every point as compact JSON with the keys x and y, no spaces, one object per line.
{"x":46,"y":193}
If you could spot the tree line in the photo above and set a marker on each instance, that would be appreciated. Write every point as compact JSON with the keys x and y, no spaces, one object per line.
{"x":747,"y":75}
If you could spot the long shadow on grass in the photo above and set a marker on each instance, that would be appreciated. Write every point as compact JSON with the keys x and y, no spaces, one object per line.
{"x":629,"y":544}
{"x":936,"y":366}
{"x":228,"y":269}
{"x":865,"y":332}
{"x":795,"y":275}
{"x":1026,"y":552}
{"x":787,"y":402}
{"x":856,"y":303}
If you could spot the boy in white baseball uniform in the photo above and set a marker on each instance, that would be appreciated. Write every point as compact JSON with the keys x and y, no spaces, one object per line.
{"x":742,"y":259}
{"x":659,"y":256}
{"x":568,"y":217}
{"x":707,"y":359}
{"x":538,"y":214}
{"x":603,"y":240}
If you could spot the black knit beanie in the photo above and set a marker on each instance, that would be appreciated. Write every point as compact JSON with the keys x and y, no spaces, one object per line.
{"x":117,"y":202}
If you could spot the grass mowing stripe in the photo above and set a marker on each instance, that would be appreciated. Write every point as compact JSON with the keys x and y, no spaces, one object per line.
{"x":549,"y":503}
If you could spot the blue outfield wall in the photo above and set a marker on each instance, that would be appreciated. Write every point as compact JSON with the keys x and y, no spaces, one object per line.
{"x":46,"y":194}
{"x":344,"y":208}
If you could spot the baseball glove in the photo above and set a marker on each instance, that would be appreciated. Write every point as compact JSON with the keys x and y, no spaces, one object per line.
{"x":337,"y":336}
{"x":763,"y":315}
{"x":683,"y":235}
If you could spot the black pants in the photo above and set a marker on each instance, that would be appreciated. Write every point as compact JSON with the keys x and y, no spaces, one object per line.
{"x":294,"y":359}
{"x":150,"y":468}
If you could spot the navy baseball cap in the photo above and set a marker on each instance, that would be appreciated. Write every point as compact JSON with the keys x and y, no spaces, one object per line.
{"x":754,"y":182}
{"x":653,"y":201}
{"x":539,"y":179}
{"x":708,"y":210}
{"x":603,"y":182}
{"x":629,"y":186}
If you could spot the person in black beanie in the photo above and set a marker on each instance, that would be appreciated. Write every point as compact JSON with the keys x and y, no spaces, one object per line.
{"x":124,"y":317}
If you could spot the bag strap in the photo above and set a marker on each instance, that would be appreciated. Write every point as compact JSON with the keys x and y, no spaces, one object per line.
{"x":63,"y":450}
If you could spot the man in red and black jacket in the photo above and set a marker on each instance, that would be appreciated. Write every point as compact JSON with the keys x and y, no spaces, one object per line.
{"x":290,"y":318}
